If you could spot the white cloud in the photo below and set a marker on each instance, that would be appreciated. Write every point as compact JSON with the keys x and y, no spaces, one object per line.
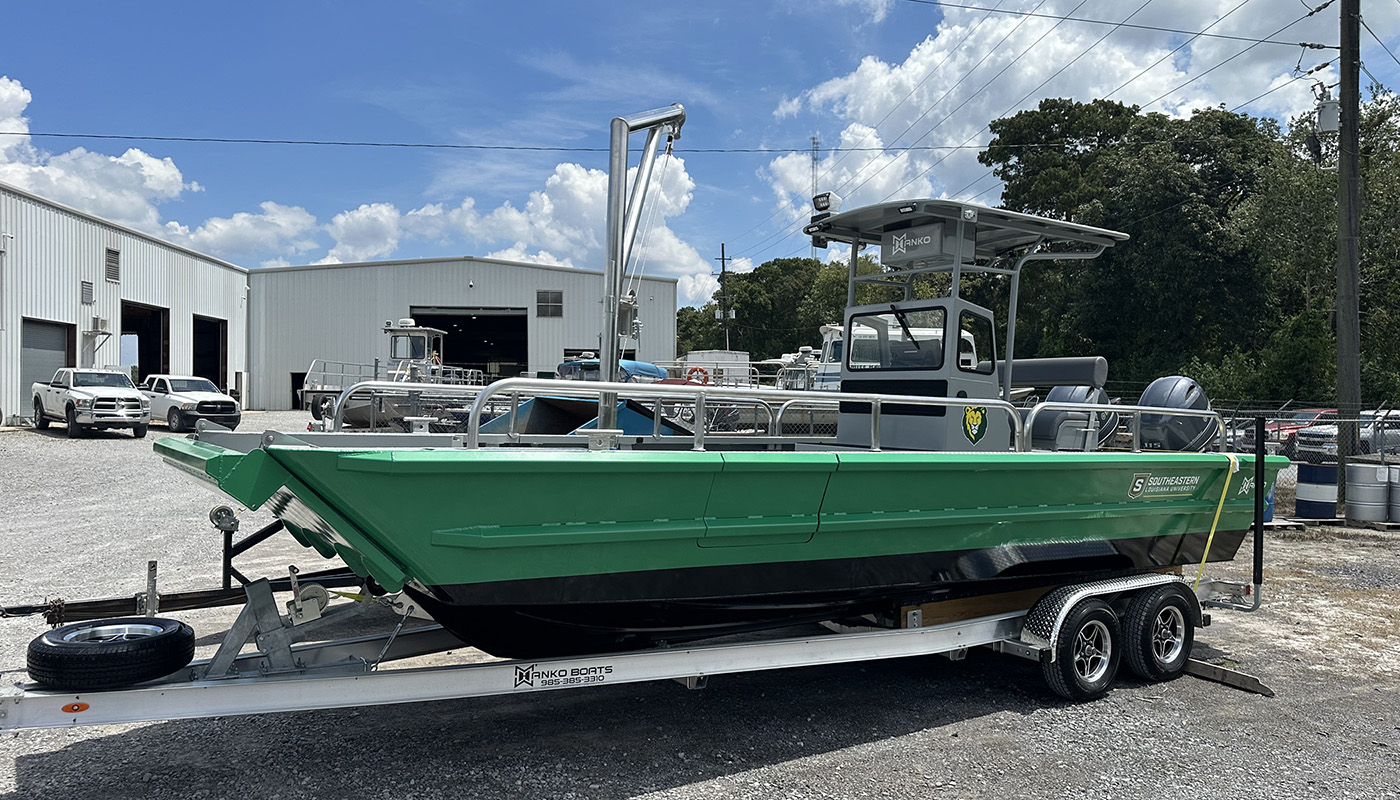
{"x":977,"y":67}
{"x":877,"y":9}
{"x":124,"y":189}
{"x":696,"y":289}
{"x":278,"y":231}
{"x":519,"y":252}
{"x":368,"y":232}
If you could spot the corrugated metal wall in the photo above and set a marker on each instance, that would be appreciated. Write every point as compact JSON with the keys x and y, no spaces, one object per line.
{"x":338,"y":311}
{"x":49,"y":250}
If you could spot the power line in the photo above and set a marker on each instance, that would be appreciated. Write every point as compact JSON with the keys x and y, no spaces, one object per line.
{"x":781,"y":234}
{"x":1138,"y":27}
{"x":1233,"y":57}
{"x":321,"y":142}
{"x":1379,"y":42}
{"x":1027,"y":95}
{"x":973,"y":95}
{"x":1178,"y":49}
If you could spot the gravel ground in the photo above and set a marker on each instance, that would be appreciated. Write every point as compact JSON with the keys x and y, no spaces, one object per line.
{"x":82,"y":517}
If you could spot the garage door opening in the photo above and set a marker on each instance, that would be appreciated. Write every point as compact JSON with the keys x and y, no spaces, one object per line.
{"x":211,"y":350}
{"x":492,"y":340}
{"x":151,"y":327}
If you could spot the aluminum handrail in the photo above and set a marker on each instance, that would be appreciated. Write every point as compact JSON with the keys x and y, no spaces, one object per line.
{"x":401,"y":388}
{"x":700,"y":394}
{"x":1135,"y":411}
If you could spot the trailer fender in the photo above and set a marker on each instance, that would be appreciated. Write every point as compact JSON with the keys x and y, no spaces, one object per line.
{"x":1047,"y":617}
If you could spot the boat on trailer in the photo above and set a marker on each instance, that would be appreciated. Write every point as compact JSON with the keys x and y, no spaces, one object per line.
{"x":932,"y":488}
{"x":939,"y":517}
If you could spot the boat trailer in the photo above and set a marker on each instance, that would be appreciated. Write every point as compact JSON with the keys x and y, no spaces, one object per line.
{"x":1073,"y":631}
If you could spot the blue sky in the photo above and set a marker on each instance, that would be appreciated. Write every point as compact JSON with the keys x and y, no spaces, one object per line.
{"x":865,"y":74}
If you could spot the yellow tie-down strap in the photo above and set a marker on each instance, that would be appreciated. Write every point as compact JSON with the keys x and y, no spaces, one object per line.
{"x":1224,"y":493}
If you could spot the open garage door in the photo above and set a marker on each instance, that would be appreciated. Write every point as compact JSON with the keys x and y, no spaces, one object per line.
{"x":45,"y":348}
{"x":492,"y":340}
{"x":211,"y":350}
{"x":151,"y":327}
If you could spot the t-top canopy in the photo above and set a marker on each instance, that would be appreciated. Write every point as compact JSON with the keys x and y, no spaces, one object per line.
{"x":918,"y":232}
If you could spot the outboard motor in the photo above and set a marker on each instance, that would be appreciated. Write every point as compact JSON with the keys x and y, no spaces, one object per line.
{"x":1059,"y":429}
{"x":1184,"y":434}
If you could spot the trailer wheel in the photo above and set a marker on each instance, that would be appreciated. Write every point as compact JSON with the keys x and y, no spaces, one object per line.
{"x":1087,"y":652}
{"x":41,"y":422}
{"x":107,"y":653}
{"x":1159,"y":633}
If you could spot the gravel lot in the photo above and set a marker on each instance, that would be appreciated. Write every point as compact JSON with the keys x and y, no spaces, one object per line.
{"x":82,"y":517}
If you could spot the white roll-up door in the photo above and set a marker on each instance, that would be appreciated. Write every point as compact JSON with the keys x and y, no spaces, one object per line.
{"x":43,"y":351}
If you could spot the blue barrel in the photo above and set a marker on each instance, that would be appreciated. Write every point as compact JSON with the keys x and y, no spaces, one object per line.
{"x":1269,"y":505}
{"x":1317,"y":491}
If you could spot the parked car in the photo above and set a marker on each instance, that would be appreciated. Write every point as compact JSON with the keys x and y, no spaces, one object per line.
{"x":84,"y":399}
{"x":183,"y":400}
{"x":1379,"y":432}
{"x":1281,"y":435}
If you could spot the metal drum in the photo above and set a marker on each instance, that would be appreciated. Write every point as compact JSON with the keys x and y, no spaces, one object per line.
{"x":1317,"y":491}
{"x":1368,"y":492}
{"x":1395,"y":494}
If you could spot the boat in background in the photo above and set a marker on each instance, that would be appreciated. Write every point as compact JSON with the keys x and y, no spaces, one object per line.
{"x":415,"y":356}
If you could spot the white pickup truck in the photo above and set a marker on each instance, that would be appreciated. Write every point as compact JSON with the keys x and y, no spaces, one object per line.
{"x":91,"y":398}
{"x":183,"y":400}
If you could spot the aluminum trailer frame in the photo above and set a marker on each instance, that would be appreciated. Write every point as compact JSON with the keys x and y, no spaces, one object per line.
{"x":345,"y":673}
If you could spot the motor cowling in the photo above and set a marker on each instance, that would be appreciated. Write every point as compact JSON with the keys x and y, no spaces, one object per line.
{"x":1179,"y":433}
{"x":1059,"y":429}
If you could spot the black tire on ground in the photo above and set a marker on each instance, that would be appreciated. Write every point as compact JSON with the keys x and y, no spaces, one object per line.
{"x":41,"y":422}
{"x":74,"y":429}
{"x":315,"y":406}
{"x":1087,"y":653}
{"x":107,"y":653}
{"x":1158,"y":631}
{"x":173,"y":419}
{"x":138,"y":431}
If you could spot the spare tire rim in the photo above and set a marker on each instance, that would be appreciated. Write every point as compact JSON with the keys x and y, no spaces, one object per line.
{"x":1092,"y":649}
{"x":1168,"y":634}
{"x":121,"y":632}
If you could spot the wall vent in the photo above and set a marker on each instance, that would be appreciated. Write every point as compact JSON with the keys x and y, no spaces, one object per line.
{"x":87,"y":293}
{"x":114,"y":265}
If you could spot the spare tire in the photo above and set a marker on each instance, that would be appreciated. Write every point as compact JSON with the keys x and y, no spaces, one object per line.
{"x":107,"y":653}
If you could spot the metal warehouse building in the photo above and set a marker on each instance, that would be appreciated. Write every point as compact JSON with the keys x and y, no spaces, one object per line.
{"x":73,"y":285}
{"x":504,"y":318}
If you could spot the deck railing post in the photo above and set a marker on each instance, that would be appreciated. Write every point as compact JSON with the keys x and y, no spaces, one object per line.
{"x":875,"y":424}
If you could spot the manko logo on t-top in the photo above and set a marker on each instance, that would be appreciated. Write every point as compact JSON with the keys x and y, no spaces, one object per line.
{"x":911,"y":244}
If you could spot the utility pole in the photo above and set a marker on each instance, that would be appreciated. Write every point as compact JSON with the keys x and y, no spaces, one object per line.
{"x":1348,"y":304}
{"x":723,"y":294}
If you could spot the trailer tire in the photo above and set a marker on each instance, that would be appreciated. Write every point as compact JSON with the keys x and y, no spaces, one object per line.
{"x":41,"y":422}
{"x":1159,"y":630}
{"x":108,"y":653}
{"x":1087,"y":652}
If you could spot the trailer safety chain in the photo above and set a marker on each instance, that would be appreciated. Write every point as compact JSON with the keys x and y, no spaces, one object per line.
{"x":1224,"y":493}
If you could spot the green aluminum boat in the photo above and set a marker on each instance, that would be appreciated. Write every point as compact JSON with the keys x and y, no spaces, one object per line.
{"x":935,"y":486}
